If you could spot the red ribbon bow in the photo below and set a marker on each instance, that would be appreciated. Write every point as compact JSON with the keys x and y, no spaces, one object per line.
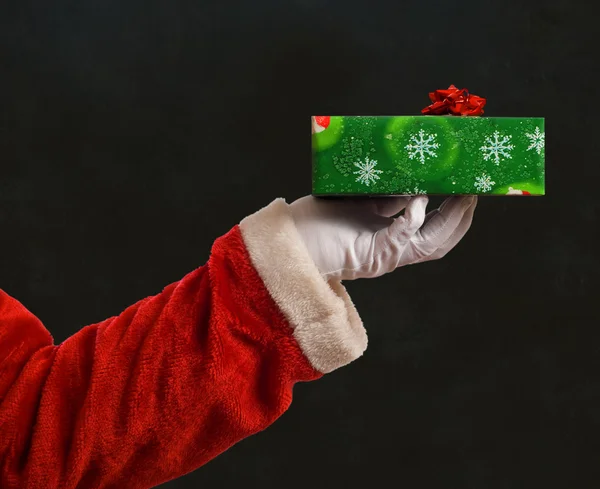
{"x":455,"y":102}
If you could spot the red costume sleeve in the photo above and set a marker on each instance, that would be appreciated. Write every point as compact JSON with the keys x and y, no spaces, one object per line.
{"x":177,"y":378}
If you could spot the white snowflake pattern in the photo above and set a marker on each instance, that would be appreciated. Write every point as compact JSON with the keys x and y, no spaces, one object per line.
{"x":484,"y":183}
{"x":418,"y":191}
{"x":422,"y":147}
{"x":367,"y":173}
{"x":499,"y":147}
{"x":537,"y":140}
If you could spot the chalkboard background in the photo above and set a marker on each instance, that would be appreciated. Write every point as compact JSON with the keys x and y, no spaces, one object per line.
{"x":133,"y":133}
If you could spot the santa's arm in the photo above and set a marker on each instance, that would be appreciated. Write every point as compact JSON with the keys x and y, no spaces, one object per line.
{"x":177,"y":378}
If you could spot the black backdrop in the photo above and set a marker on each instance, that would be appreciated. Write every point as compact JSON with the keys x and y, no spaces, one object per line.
{"x":133,"y":133}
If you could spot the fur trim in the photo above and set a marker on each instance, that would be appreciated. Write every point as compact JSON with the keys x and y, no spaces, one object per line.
{"x":325,"y":322}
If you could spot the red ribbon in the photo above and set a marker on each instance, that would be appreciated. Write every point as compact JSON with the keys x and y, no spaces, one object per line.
{"x":454,"y":102}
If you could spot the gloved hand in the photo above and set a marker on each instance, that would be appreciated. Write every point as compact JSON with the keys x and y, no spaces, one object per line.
{"x":350,"y":239}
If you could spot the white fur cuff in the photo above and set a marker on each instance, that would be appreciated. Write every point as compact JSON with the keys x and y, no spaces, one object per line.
{"x":325,"y":322}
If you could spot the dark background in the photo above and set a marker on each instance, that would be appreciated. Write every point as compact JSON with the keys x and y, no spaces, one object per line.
{"x":133,"y":133}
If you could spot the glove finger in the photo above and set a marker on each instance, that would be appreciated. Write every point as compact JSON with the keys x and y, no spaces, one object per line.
{"x":389,"y":207}
{"x":382,"y":206}
{"x":436,"y":211}
{"x":404,"y":227}
{"x":457,"y":235}
{"x":442,"y":222}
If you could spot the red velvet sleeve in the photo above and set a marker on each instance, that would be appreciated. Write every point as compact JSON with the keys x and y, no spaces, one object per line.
{"x":156,"y":392}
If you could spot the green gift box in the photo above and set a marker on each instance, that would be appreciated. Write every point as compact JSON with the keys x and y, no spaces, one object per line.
{"x":436,"y":155}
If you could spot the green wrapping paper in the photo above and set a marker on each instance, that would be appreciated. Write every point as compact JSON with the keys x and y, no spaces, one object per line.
{"x":436,"y":155}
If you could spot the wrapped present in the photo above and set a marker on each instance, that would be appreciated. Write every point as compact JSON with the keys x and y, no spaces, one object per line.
{"x":450,"y":150}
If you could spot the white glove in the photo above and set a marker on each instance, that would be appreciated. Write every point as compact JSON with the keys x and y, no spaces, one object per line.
{"x":350,"y":239}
